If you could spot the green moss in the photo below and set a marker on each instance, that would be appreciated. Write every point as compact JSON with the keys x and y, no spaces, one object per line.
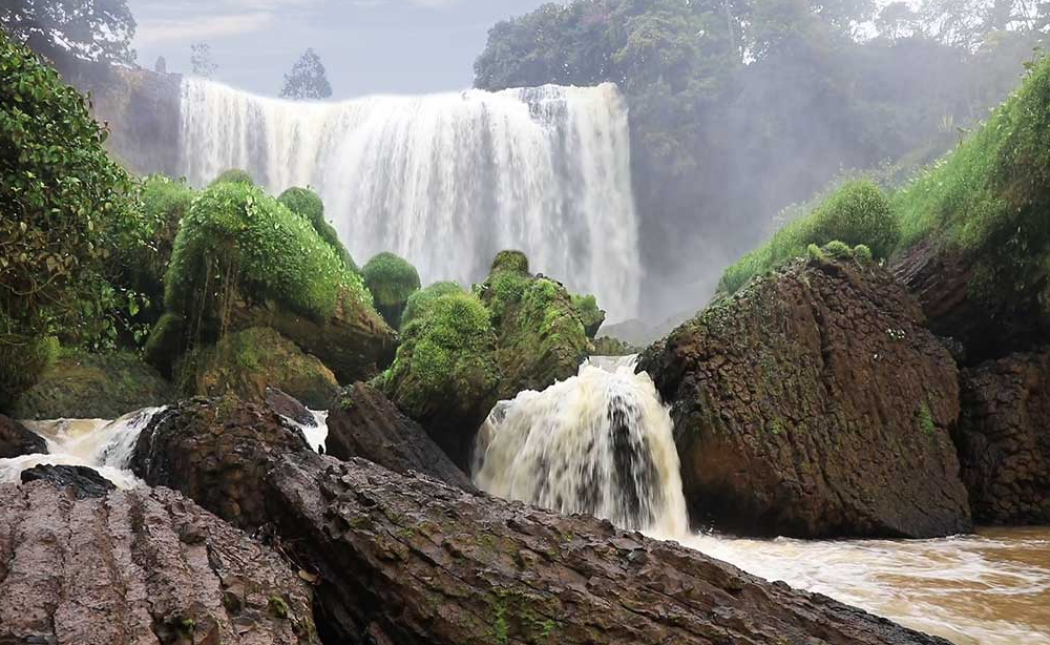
{"x":279,"y":608}
{"x":420,"y":301}
{"x":863,"y":254}
{"x":237,"y":241}
{"x":392,"y":280}
{"x":515,"y":261}
{"x":306,"y":203}
{"x":233,"y":176}
{"x":609,"y":346}
{"x":838,"y":250}
{"x":591,"y":316}
{"x":856,"y":213}
{"x":925,"y":419}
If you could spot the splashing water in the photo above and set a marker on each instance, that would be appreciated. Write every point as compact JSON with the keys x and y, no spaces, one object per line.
{"x":599,"y":443}
{"x":445,"y":180}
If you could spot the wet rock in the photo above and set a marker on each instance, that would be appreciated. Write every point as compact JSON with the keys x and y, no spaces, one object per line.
{"x":93,"y":386}
{"x":287,"y":406}
{"x":366,"y":424}
{"x":217,"y":452}
{"x":815,"y":403}
{"x":411,"y":560}
{"x":141,"y":566}
{"x":1004,"y":440}
{"x":84,"y":482}
{"x":16,"y":440}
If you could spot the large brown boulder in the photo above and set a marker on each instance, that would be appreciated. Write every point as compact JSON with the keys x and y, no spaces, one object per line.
{"x":815,"y":403}
{"x":366,"y":424}
{"x":217,"y":452}
{"x":1004,"y":440}
{"x":17,"y":440}
{"x":412,"y":561}
{"x":142,"y":566}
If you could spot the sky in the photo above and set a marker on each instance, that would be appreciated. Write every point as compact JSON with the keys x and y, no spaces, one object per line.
{"x":367,"y":46}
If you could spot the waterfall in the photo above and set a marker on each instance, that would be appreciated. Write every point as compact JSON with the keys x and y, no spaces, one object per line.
{"x":445,"y":180}
{"x":599,"y":443}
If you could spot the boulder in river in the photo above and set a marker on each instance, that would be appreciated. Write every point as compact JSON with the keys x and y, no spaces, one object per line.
{"x":17,"y":440}
{"x":84,"y":482}
{"x":1004,"y":439}
{"x":139,"y":566}
{"x":814,"y":403}
{"x":365,"y":424}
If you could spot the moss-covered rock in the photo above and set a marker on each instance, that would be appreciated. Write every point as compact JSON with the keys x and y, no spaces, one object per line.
{"x":246,"y":363}
{"x":609,"y":346}
{"x":976,"y":236}
{"x":243,"y":260}
{"x":93,"y":386}
{"x":419,"y":302}
{"x":234,"y":176}
{"x":541,"y":336}
{"x":815,"y":403}
{"x":392,"y":280}
{"x":445,"y":375}
{"x":591,"y":316}
{"x":306,"y":203}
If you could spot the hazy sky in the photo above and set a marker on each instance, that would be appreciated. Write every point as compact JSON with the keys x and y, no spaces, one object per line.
{"x":368,"y":46}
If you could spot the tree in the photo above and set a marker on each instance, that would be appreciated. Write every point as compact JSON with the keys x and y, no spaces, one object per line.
{"x":307,"y":80}
{"x":201,"y":61}
{"x":95,"y":30}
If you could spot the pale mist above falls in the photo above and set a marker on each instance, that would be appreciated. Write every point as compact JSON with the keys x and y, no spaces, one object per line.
{"x":445,"y":180}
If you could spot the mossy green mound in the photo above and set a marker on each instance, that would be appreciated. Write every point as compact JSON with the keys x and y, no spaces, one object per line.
{"x":857,"y":213}
{"x":392,"y":280}
{"x":233,"y":176}
{"x":591,"y":316}
{"x":306,"y":203}
{"x":515,"y":261}
{"x":93,"y":386}
{"x":445,"y":375}
{"x":237,"y":242}
{"x":419,"y":302}
{"x":248,"y":362}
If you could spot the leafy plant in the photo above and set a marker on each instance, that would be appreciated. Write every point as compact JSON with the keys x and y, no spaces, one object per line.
{"x":306,"y":203}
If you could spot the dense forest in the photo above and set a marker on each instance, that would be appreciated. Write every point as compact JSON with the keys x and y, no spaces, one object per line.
{"x":740,"y":108}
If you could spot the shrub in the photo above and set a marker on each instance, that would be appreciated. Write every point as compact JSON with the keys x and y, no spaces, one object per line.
{"x":419,"y":303}
{"x":856,"y":213}
{"x":238,"y":239}
{"x":59,"y":195}
{"x":233,"y":176}
{"x":510,"y":261}
{"x":306,"y":203}
{"x":590,"y":314}
{"x":391,"y":279}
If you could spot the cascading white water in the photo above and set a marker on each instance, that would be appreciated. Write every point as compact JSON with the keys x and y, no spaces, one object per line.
{"x":599,"y":443}
{"x":445,"y":180}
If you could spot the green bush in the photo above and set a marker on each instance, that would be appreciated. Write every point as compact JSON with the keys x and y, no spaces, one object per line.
{"x":990,"y":197}
{"x":306,"y":203}
{"x":233,"y":176}
{"x":590,"y":314}
{"x":236,"y":237}
{"x":419,"y":303}
{"x":856,"y":213}
{"x":59,"y":197}
{"x":391,"y":279}
{"x":510,"y":261}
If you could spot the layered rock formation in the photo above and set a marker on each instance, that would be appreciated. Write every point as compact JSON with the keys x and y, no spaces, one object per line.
{"x":1004,"y":439}
{"x":139,"y":567}
{"x":366,"y":424}
{"x":17,"y":440}
{"x":815,"y":403}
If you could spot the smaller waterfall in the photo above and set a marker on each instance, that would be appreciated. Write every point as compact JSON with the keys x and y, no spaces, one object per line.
{"x":599,"y":443}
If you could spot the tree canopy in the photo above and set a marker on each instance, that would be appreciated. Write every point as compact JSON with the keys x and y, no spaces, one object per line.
{"x":307,"y":80}
{"x":95,"y":30}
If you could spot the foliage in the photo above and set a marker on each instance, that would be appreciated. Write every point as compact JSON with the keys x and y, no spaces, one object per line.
{"x":447,"y":353}
{"x":96,"y":30}
{"x":201,"y":61}
{"x":22,"y":363}
{"x":307,"y":80}
{"x":238,"y":241}
{"x":234,"y":176}
{"x":391,"y":279}
{"x":591,"y":316}
{"x":419,"y":303}
{"x":989,"y":198}
{"x":515,"y":261}
{"x":306,"y":203}
{"x":857,"y":213}
{"x":60,"y":199}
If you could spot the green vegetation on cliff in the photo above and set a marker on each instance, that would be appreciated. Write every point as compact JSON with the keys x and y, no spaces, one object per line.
{"x":856,"y":214}
{"x":60,"y":196}
{"x":419,"y":302}
{"x":233,"y":176}
{"x":307,"y":203}
{"x":238,"y":240}
{"x":392,"y":280}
